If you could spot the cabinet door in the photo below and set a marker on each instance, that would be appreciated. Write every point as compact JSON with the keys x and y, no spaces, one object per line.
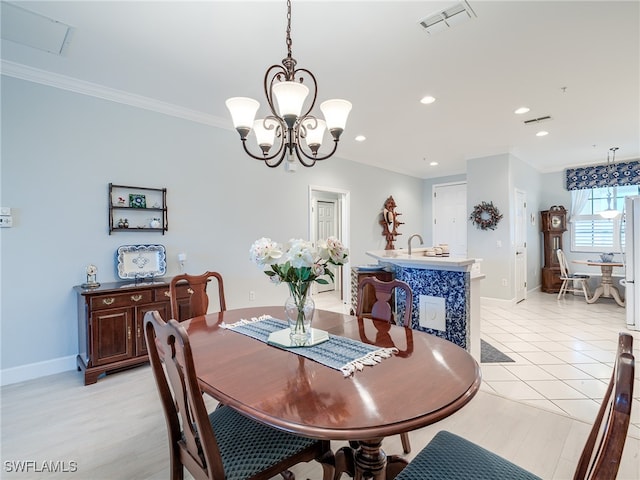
{"x":111,"y":335}
{"x":163,"y":309}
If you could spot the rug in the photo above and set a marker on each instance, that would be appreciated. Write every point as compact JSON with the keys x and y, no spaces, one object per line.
{"x":490,"y":354}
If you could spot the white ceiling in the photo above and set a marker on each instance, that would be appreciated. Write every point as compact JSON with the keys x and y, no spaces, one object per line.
{"x":191,"y":56}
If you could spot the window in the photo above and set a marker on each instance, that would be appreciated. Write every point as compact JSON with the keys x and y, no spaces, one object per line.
{"x":589,"y":231}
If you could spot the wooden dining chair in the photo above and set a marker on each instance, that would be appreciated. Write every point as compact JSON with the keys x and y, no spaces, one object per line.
{"x":383,"y":292}
{"x":223,"y":444}
{"x":198,"y":298}
{"x":382,"y":310}
{"x":451,"y":457}
{"x":569,"y":278}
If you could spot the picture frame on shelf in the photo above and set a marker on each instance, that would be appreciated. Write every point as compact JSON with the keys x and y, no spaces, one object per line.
{"x":137,"y":200}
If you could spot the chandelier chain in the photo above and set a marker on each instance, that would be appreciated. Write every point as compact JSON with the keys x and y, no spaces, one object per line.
{"x":289,"y":42}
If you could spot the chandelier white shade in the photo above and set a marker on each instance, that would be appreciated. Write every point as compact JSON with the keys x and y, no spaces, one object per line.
{"x":290,"y":119}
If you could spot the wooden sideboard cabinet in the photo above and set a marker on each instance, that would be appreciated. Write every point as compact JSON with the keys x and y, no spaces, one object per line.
{"x":110,"y":324}
{"x":369,"y":299}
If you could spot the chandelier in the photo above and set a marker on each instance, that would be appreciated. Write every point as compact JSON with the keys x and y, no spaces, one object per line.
{"x":611,"y":158}
{"x":288,"y":125}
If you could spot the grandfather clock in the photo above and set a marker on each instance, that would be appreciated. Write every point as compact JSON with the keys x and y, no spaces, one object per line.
{"x":554,"y":224}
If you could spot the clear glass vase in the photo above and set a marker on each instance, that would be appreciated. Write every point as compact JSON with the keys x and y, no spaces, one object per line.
{"x":299,"y":309}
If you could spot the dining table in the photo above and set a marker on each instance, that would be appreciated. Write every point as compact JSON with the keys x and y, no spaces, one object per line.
{"x":606,"y":288}
{"x":425,"y":380}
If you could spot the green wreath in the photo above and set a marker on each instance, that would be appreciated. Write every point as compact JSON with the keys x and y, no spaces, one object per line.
{"x":485,"y":216}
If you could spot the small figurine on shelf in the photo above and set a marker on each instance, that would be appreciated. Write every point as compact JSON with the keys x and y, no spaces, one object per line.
{"x":155,"y":223}
{"x":121,"y":202}
{"x":126,"y":223}
{"x":120,"y":223}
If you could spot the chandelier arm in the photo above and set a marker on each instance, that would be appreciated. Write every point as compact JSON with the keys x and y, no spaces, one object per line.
{"x":281,"y":151}
{"x":315,"y":88}
{"x":314,"y":158}
{"x":279,"y":161}
{"x":298,"y":150}
{"x":268,"y":85}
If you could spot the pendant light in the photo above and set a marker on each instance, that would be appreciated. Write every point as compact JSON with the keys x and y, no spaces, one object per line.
{"x":290,"y":123}
{"x":610,"y":213}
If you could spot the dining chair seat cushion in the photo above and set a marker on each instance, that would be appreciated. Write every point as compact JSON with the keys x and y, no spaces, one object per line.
{"x":248,"y":447}
{"x":450,"y":457}
{"x":578,"y":275}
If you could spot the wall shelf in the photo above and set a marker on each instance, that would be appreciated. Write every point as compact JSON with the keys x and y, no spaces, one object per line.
{"x":136,"y":209}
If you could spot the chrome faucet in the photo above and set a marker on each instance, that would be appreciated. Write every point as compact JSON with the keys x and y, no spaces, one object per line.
{"x":411,"y":238}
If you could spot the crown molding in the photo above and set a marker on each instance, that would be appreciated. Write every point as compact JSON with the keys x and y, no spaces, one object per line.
{"x":43,"y":77}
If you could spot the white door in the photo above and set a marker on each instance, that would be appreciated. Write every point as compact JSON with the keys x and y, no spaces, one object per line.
{"x":325,"y":228}
{"x":521,"y":246}
{"x":450,"y":217}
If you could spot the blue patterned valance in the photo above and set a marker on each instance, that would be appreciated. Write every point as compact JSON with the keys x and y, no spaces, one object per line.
{"x":599,"y":176}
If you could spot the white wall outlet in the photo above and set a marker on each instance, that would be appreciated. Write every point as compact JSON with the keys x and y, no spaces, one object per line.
{"x":252,"y":296}
{"x":504,"y":282}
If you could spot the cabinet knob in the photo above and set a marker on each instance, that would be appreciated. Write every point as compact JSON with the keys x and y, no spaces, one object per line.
{"x":108,"y":301}
{"x":128,"y":333}
{"x":136,"y":298}
{"x":190,"y":291}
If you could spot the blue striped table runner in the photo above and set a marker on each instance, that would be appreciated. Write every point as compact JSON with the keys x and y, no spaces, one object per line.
{"x":339,"y":353}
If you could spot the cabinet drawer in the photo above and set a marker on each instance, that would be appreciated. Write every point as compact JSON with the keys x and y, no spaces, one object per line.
{"x":121,"y":299}
{"x":162,"y":294}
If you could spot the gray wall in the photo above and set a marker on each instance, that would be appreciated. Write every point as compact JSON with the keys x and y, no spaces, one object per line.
{"x":61,"y":149}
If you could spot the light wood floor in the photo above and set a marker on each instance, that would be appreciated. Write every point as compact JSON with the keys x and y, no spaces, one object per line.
{"x":115,"y":429}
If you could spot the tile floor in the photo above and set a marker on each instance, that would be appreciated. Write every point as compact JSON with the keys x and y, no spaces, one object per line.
{"x":562,"y":350}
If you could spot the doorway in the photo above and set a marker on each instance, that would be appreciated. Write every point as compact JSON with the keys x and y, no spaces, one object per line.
{"x":450,"y":217}
{"x":326,"y":226}
{"x":329,"y":216}
{"x":520,"y":274}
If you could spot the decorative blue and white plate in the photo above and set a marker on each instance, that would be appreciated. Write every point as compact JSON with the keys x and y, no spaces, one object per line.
{"x":141,"y":261}
{"x":370,"y":268}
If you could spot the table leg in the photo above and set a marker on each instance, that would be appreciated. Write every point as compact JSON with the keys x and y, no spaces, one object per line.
{"x":596,"y":295}
{"x":368,"y":461}
{"x":615,"y":293}
{"x":606,"y":288}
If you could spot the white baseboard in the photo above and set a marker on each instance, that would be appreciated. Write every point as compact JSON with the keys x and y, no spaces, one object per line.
{"x":37,"y":370}
{"x":496,"y":302}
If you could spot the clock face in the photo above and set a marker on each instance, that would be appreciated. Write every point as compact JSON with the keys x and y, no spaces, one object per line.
{"x":92,"y":270}
{"x":556,"y":221}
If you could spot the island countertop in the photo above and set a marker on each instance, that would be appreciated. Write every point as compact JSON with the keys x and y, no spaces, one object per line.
{"x":417,"y":259}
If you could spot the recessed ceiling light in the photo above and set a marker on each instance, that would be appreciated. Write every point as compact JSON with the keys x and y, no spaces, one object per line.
{"x":542,"y":133}
{"x":360,"y":138}
{"x":521,"y":110}
{"x":433,"y":164}
{"x":427,"y":100}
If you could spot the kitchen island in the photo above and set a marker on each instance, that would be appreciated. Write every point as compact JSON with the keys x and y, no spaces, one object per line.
{"x":446,"y":294}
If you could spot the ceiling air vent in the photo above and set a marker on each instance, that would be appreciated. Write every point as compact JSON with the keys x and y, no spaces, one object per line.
{"x":443,"y":19}
{"x":537,"y":120}
{"x":33,"y":30}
